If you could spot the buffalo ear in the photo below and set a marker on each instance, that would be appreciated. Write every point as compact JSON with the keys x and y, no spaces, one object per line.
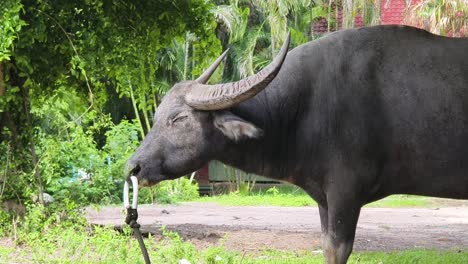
{"x":235,"y":127}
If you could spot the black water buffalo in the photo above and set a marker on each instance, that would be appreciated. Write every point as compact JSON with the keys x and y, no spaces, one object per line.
{"x":351,"y":118}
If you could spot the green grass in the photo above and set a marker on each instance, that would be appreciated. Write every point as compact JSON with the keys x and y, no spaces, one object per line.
{"x":404,"y":257}
{"x":259,"y":200}
{"x":296,"y":197}
{"x":6,"y":251}
{"x":104,"y":245}
{"x":400,"y":200}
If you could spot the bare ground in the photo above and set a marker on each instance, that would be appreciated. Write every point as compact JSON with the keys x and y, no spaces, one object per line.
{"x":251,"y":229}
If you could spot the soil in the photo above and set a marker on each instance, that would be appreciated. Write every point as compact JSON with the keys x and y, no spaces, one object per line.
{"x":254,"y":228}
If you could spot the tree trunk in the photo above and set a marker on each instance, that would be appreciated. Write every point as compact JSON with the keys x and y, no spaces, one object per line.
{"x":137,"y":114}
{"x":186,"y":56}
{"x":2,"y":93}
{"x":32,"y":147}
{"x":2,"y":81}
{"x":37,"y":173}
{"x":8,"y":119}
{"x":145,"y":115}
{"x":3,"y":179}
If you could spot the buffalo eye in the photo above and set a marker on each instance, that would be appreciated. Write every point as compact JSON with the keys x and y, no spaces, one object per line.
{"x":176,"y":118}
{"x":179,"y":118}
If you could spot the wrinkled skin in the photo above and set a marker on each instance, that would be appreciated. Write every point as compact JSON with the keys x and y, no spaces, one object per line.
{"x":351,"y":118}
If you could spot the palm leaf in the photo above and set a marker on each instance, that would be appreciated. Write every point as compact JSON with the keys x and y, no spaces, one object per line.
{"x":441,"y":17}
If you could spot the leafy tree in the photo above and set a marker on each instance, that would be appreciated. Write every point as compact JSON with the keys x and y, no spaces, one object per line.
{"x":10,"y":105}
{"x":10,"y":26}
{"x":268,"y":23}
{"x":65,"y":65}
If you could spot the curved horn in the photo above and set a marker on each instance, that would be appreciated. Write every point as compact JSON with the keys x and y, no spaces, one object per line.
{"x":207,"y":74}
{"x":222,"y":96}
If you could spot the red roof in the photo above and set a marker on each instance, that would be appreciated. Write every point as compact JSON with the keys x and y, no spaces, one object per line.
{"x":392,"y":13}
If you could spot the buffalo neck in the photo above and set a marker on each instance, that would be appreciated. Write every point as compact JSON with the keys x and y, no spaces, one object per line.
{"x":272,"y":155}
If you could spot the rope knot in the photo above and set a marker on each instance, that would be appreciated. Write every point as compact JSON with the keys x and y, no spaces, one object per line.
{"x":132,"y":216}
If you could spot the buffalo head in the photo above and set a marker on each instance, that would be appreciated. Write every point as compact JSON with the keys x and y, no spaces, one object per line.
{"x":192,"y":125}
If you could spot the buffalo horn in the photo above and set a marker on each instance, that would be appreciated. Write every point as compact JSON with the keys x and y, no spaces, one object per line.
{"x":222,"y":96}
{"x":207,"y":74}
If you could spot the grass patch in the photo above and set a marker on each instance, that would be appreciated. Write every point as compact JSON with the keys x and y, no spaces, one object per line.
{"x":400,"y":200}
{"x":5,"y":251}
{"x":234,"y":199}
{"x":104,"y":245}
{"x":412,"y":257}
{"x":276,"y":196}
{"x":296,"y":197}
{"x":404,"y":257}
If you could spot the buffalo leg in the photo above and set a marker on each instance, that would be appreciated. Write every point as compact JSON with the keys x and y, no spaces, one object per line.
{"x":343,"y":214}
{"x":323,"y":222}
{"x":323,"y":218}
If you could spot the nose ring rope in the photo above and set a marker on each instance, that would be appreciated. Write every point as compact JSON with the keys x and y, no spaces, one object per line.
{"x":126,"y":199}
{"x":132,"y":214}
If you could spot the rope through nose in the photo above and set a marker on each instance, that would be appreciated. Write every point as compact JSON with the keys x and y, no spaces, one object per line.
{"x":132,"y":214}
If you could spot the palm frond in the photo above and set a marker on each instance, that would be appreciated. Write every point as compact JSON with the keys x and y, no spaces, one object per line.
{"x":233,"y":18}
{"x":245,"y":53}
{"x":443,"y":17}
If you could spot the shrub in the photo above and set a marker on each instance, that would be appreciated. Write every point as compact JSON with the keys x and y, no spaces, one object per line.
{"x":5,"y":222}
{"x":171,"y":191}
{"x":76,"y":168}
{"x":40,"y":219}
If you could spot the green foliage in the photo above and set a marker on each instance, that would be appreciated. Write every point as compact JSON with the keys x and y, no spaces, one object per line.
{"x":273,"y":191}
{"x":10,"y":25}
{"x":60,"y":234}
{"x":73,"y":66}
{"x":76,"y":168}
{"x":6,"y":220}
{"x":174,"y":249}
{"x":171,"y":191}
{"x":218,"y":254}
{"x":121,"y":141}
{"x":440,"y":17}
{"x":40,"y":219}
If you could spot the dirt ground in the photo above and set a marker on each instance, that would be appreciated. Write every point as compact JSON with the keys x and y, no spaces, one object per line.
{"x":253,"y":228}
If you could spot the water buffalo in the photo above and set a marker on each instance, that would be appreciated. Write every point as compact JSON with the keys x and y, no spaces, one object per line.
{"x":351,"y":118}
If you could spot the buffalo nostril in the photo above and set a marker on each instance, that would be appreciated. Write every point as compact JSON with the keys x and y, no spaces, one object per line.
{"x":131,"y":169}
{"x":135,"y":170}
